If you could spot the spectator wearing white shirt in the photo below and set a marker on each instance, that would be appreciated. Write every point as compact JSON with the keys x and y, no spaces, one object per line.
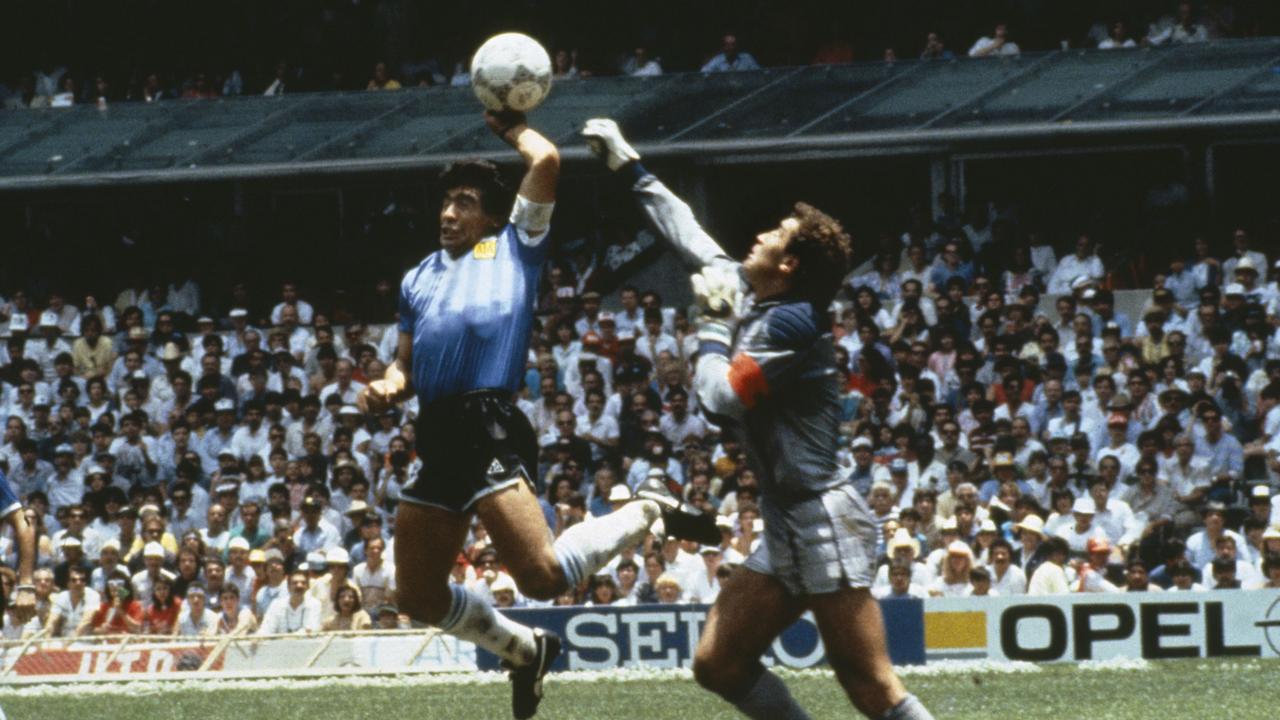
{"x":730,"y":58}
{"x":1117,"y":38}
{"x":343,"y":386}
{"x":1083,"y":263}
{"x":251,"y":437}
{"x":998,"y":44}
{"x":704,"y":585}
{"x":641,"y":64}
{"x":679,"y":425}
{"x":375,"y":577}
{"x":289,"y":299}
{"x":1006,"y":577}
{"x":71,"y":610}
{"x":597,"y":427}
{"x":195,"y":619}
{"x":1051,"y":578}
{"x":295,"y":614}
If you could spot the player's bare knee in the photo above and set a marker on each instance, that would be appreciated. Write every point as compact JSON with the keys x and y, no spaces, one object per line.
{"x":542,"y":581}
{"x":722,"y":676}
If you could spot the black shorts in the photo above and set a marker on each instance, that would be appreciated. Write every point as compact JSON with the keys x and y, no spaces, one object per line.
{"x":471,"y":445}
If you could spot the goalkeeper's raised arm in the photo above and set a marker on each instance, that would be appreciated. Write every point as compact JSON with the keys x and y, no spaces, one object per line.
{"x":670,"y":216}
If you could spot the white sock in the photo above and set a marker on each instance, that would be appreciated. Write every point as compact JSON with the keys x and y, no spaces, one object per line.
{"x":471,"y":618}
{"x":590,"y":545}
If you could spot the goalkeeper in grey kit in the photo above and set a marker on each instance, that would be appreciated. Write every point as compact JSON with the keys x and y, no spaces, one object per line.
{"x":766,"y":367}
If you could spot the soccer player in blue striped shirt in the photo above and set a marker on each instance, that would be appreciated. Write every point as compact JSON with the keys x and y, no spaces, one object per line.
{"x":466,"y":312}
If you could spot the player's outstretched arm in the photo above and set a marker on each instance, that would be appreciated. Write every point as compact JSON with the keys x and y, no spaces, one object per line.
{"x":670,"y":216}
{"x":25,"y":539}
{"x":541,"y":156}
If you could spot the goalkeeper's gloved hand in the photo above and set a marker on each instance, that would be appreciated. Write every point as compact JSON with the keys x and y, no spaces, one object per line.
{"x":718,"y":290}
{"x":606,"y":142}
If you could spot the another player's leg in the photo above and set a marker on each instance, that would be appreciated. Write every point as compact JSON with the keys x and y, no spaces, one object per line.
{"x":544,"y":570}
{"x":427,"y":543}
{"x":751,"y":611}
{"x":852,"y":631}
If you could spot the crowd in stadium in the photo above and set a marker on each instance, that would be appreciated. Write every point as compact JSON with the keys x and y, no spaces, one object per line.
{"x":389,"y":44}
{"x":193,"y":474}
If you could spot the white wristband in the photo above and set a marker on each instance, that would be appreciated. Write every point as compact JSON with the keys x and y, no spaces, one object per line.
{"x":534,"y":218}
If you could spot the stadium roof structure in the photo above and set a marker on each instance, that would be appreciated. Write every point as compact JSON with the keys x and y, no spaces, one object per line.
{"x":1042,"y":100}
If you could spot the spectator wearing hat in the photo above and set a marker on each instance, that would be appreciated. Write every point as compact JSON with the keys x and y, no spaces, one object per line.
{"x":64,"y":486}
{"x":903,"y":549}
{"x":1078,"y":533}
{"x":273,"y":582}
{"x":239,"y":573}
{"x":1118,"y":445}
{"x":48,"y":346}
{"x":669,"y":590}
{"x":153,"y":556}
{"x":315,"y":532}
{"x":1092,"y":573}
{"x":954,"y":578}
{"x":73,"y":557}
{"x":217,"y":439}
{"x":704,"y":585}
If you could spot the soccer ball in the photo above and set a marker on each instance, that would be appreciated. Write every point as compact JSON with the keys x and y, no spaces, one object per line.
{"x":511,"y":71}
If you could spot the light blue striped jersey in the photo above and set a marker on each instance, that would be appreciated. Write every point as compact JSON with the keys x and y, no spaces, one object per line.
{"x":470,"y":317}
{"x":8,"y":497}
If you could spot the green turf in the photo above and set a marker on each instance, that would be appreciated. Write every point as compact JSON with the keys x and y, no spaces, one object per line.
{"x":1180,"y":689}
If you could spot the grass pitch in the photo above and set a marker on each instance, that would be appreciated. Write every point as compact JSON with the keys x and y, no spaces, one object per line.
{"x":1244,"y":690}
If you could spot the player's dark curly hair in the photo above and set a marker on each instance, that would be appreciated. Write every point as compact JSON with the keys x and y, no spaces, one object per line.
{"x":824,"y":250}
{"x":495,"y":196}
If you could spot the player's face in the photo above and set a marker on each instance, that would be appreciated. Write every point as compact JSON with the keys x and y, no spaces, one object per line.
{"x":462,"y":219}
{"x":768,"y":256}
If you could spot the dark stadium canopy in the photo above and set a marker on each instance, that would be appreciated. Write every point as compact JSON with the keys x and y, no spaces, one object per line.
{"x":871,"y":108}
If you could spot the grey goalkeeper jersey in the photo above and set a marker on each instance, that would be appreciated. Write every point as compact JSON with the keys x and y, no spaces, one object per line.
{"x":777,"y":383}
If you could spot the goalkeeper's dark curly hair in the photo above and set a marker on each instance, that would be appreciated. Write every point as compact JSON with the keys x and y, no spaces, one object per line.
{"x":824,"y":250}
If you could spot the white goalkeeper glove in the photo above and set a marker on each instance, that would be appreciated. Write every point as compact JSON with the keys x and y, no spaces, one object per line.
{"x":606,"y":142}
{"x":718,"y":290}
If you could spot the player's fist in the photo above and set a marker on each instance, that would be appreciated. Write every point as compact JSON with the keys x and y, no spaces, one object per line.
{"x":376,"y":398}
{"x":504,"y":121}
{"x":24,"y":605}
{"x":606,"y":142}
{"x":718,"y":290}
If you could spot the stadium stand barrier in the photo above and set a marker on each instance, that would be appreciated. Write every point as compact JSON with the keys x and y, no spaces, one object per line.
{"x":1064,"y":628}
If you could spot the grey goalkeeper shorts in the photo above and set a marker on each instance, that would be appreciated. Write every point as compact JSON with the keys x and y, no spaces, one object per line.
{"x":819,"y":544}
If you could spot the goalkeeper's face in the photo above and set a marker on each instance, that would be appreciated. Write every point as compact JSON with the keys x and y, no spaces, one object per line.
{"x":463,"y":221}
{"x":768,"y":265}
